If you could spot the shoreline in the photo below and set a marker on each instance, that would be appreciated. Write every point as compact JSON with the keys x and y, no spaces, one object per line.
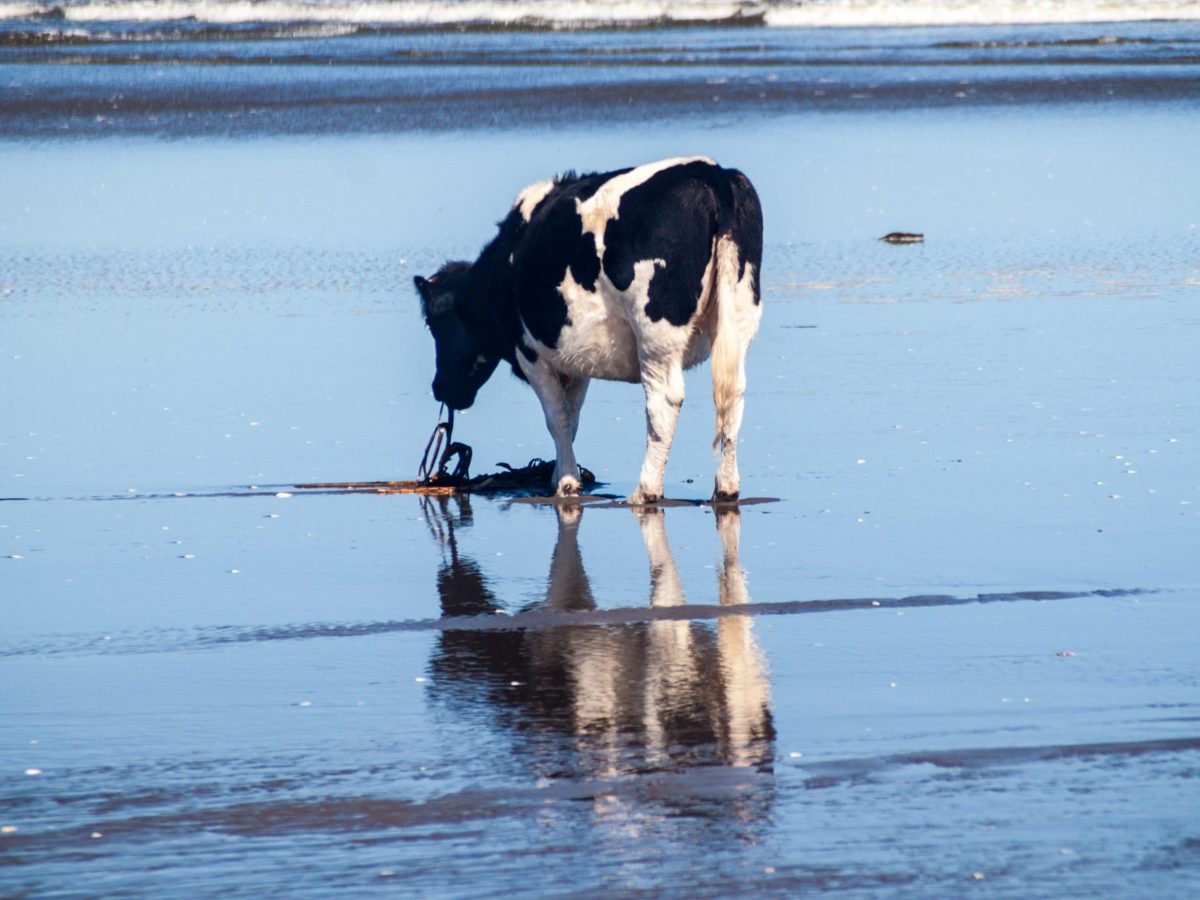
{"x":189,"y":83}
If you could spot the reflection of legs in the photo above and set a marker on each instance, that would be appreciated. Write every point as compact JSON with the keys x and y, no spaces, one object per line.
{"x":664,"y":398}
{"x":671,"y":664}
{"x":598,"y":685}
{"x":568,"y":586}
{"x":586,"y":652}
{"x":731,"y":583}
{"x":666,"y":589}
{"x":745,"y":689}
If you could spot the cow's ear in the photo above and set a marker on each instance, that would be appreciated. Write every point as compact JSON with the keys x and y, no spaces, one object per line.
{"x":435,"y":300}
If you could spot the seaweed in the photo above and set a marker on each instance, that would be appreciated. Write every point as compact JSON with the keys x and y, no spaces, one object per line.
{"x":435,"y":475}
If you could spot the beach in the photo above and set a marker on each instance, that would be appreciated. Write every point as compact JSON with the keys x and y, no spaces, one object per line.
{"x":955,"y":654}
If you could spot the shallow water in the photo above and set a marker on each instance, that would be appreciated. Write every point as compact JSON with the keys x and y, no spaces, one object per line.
{"x":325,"y":717}
{"x":958,"y":654}
{"x":68,"y":80}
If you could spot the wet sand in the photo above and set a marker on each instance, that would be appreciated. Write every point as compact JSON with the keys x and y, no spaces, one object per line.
{"x":959,"y":653}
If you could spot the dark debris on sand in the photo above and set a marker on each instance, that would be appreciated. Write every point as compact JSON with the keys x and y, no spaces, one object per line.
{"x":535,"y":476}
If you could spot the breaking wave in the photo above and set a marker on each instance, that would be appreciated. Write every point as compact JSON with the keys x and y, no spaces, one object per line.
{"x":554,"y":14}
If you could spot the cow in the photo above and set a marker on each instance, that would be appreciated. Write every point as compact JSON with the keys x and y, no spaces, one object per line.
{"x":633,"y":275}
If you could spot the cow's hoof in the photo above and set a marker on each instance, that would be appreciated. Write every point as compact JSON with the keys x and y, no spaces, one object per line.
{"x":725,"y":496}
{"x":643,"y":498}
{"x":568,"y":487}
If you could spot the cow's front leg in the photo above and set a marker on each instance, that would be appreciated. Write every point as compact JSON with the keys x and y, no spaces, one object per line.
{"x":576,"y":391}
{"x":566,"y":474}
{"x":664,"y":398}
{"x":561,"y":398}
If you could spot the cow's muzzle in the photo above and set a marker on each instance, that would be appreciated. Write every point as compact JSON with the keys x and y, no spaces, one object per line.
{"x":454,"y":397}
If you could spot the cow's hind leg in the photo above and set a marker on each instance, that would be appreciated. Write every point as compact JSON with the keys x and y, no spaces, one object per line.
{"x":561,"y":399}
{"x":728,"y":486}
{"x":663,"y":383}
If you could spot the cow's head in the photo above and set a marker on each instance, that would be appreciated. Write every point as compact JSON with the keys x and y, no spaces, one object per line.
{"x":464,"y":358}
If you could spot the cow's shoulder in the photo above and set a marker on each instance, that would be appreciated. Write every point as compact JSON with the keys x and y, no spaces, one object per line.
{"x":529,"y":199}
{"x":552,"y":243}
{"x":567,"y":189}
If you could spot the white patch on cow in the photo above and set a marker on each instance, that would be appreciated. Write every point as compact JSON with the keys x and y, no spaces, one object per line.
{"x":529,"y":198}
{"x":603,"y":205}
{"x":599,"y":341}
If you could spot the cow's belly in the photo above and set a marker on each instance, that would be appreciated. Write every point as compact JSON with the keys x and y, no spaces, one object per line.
{"x":605,"y":327}
{"x":598,"y":340}
{"x":604,"y":349}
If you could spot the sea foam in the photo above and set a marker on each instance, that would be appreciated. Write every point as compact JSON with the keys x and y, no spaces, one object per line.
{"x":592,"y":13}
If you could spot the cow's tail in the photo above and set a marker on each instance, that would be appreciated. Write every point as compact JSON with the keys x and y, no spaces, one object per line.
{"x":738,"y":256}
{"x":728,"y":368}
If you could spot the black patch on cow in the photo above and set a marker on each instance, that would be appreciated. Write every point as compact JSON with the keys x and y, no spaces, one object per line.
{"x":672,"y":216}
{"x":666,"y":214}
{"x":745,"y":223}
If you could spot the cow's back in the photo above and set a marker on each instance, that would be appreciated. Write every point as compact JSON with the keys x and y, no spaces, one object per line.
{"x":608,"y":264}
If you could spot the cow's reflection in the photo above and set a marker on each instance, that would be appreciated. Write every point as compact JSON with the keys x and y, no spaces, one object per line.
{"x":663,"y":696}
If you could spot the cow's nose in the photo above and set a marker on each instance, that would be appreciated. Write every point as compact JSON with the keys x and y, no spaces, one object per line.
{"x":452,"y":395}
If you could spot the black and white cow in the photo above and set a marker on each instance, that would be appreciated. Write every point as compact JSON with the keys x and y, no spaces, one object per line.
{"x":633,"y":275}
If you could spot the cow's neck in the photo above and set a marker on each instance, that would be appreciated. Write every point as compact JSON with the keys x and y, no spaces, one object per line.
{"x":493,"y":306}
